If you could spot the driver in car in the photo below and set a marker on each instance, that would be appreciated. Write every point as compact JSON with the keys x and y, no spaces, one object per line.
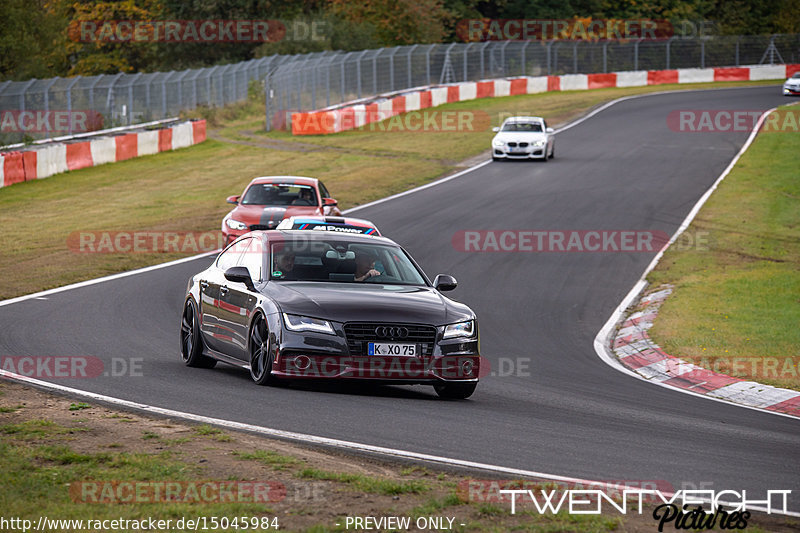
{"x":305,"y":197}
{"x":365,"y":266}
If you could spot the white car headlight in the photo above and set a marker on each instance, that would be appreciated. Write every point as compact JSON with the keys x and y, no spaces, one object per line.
{"x":235,"y":224}
{"x":538,"y":144}
{"x":460,"y":329}
{"x":305,"y":323}
{"x":497,"y":143}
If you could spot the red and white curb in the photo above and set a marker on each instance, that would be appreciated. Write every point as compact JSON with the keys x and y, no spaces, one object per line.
{"x":636,"y":351}
{"x":43,"y":161}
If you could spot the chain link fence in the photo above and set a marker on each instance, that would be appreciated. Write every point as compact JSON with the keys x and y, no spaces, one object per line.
{"x":316,"y":82}
{"x":30,"y":109}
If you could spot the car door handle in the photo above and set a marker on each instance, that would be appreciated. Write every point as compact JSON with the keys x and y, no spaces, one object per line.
{"x":223,"y":290}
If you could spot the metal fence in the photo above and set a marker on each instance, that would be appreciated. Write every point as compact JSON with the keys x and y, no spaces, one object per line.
{"x":316,"y":80}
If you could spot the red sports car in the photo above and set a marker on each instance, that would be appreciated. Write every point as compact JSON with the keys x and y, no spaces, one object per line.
{"x":268,"y":200}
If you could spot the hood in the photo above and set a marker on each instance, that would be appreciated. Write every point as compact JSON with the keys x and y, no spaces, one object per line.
{"x":264,"y":214}
{"x":520,"y":136}
{"x":351,"y":302}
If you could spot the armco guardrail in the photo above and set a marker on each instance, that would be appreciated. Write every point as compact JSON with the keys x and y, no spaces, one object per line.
{"x":54,"y":158}
{"x":349,"y":117}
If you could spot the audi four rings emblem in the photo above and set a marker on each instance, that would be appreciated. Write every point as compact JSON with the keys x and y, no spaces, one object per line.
{"x":391,"y":332}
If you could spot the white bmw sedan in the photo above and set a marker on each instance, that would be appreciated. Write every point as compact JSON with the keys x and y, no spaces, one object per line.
{"x":792,"y":86}
{"x":523,"y":138}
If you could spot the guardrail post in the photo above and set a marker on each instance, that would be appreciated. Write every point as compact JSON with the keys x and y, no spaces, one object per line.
{"x":605,"y":57}
{"x":636,"y":55}
{"x":358,"y":70}
{"x":483,"y":49}
{"x":267,"y":95}
{"x":575,"y":57}
{"x":47,"y":93}
{"x":524,"y":66}
{"x":738,"y":40}
{"x":391,"y":67}
{"x":410,"y":78}
{"x":549,"y":57}
{"x":669,"y":43}
{"x":702,"y":53}
{"x":375,"y":72}
{"x":428,"y":62}
{"x":69,"y":100}
{"x":164,"y":93}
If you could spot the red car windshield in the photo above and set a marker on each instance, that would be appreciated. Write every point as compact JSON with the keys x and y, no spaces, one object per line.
{"x":279,"y":195}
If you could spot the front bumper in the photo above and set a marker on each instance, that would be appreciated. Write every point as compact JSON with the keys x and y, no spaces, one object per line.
{"x":326,"y":357}
{"x":530,"y":153}
{"x":791,"y":91}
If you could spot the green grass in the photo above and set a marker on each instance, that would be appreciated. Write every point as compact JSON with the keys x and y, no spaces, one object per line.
{"x":267,"y":457}
{"x":185,"y":190}
{"x":36,"y":478}
{"x":736,"y":303}
{"x":215,"y":433}
{"x":37,"y":429}
{"x":367,"y":483}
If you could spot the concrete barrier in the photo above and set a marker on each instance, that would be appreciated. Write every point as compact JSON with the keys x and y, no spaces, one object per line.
{"x":42,"y":161}
{"x":147,"y":143}
{"x":459,"y":92}
{"x":51,"y":160}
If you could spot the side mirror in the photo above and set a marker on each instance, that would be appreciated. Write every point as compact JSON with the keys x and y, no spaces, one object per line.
{"x":240,"y":274}
{"x":329,"y":202}
{"x":496,"y":129}
{"x":443,"y":282}
{"x":550,"y":130}
{"x":233,"y":200}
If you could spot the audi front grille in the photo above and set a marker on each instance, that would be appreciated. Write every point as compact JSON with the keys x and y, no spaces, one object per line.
{"x":358,"y":334}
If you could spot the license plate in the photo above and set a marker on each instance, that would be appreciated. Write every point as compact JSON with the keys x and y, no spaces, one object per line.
{"x":400,"y":350}
{"x":519,"y":152}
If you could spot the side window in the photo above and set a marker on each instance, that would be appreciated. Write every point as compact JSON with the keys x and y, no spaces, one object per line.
{"x":253,"y":258}
{"x":323,"y":190}
{"x":230,"y":257}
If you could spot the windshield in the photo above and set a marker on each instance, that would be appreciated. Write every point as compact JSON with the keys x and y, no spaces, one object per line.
{"x":343,"y":262}
{"x":522,"y":126}
{"x":279,"y":194}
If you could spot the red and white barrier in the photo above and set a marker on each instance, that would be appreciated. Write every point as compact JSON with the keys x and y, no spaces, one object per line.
{"x":147,"y":143}
{"x":350,"y":117}
{"x":182,"y":135}
{"x":50,"y":159}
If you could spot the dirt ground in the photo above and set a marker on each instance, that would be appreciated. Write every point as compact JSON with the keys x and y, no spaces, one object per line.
{"x":316,"y":504}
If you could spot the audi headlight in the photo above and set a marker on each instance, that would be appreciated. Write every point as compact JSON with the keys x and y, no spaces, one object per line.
{"x":460,"y":329}
{"x":235,"y":224}
{"x":498,"y":144}
{"x":305,"y":323}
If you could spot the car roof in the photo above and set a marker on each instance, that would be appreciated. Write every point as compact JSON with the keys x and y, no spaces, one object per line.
{"x":329,"y":221}
{"x":523,"y":119}
{"x":320,"y":236}
{"x":288,"y":180}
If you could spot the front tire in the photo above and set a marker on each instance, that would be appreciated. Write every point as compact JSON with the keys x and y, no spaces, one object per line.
{"x":455,"y":391}
{"x":261,"y":356}
{"x":191,"y":344}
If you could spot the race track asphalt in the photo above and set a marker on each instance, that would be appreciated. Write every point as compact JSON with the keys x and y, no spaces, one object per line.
{"x":566,"y":412}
